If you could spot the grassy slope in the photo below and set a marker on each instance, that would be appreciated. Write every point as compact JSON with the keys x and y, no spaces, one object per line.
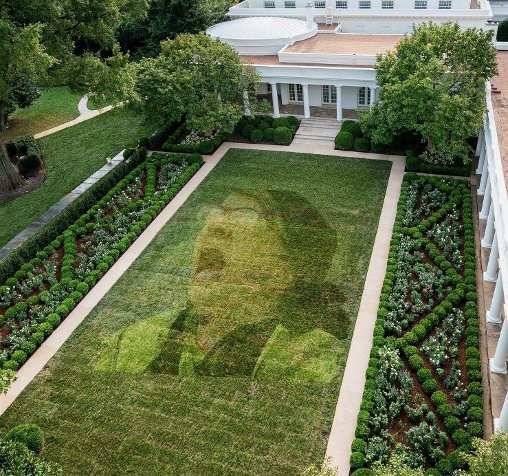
{"x":55,"y":106}
{"x":268,"y":236}
{"x":71,"y":156}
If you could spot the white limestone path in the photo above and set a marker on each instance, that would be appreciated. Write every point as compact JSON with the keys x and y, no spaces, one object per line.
{"x":353,"y":381}
{"x":84,"y":114}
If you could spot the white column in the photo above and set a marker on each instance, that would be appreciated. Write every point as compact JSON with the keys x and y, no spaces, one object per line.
{"x":501,"y":423}
{"x":481,"y":142}
{"x":494,"y":312}
{"x":306,"y":101}
{"x":488,"y":236}
{"x":498,"y":363}
{"x":246,"y":103}
{"x":491,"y":273}
{"x":482,"y":154}
{"x":339,"y":102}
{"x":484,"y":178}
{"x":487,"y":200}
{"x":372,"y":93}
{"x":275,"y":100}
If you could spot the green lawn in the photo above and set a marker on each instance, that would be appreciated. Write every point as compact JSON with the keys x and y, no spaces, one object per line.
{"x":221,"y":350}
{"x":71,"y":156}
{"x":55,"y":106}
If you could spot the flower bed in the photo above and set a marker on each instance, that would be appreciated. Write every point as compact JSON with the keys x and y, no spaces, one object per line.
{"x":44,"y":290}
{"x":423,"y":391}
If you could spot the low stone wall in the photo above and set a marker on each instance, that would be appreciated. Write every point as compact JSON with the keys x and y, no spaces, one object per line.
{"x":60,"y":206}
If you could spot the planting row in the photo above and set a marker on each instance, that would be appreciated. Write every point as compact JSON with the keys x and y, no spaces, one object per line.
{"x":45,"y":290}
{"x":423,"y":392}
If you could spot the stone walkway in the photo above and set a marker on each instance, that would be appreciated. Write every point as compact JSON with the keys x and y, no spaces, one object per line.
{"x":344,"y":423}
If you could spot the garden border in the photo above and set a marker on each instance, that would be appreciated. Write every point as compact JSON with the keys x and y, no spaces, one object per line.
{"x":54,"y":210}
{"x":54,"y":342}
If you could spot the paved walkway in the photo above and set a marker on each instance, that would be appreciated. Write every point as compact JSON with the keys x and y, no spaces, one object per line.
{"x":84,"y":115}
{"x":344,"y":423}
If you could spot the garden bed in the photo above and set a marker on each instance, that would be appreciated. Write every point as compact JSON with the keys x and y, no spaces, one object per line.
{"x":423,"y":392}
{"x":45,"y":290}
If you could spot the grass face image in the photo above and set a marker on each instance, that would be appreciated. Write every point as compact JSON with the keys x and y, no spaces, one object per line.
{"x":221,"y":350}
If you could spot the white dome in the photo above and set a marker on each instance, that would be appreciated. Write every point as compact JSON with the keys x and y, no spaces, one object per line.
{"x":262,"y":28}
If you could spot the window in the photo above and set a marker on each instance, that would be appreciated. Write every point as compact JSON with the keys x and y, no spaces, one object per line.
{"x":319,"y":4}
{"x":364,"y":4}
{"x":341,"y":4}
{"x":445,"y":4}
{"x":329,"y":95}
{"x":387,"y":4}
{"x":269,"y":3}
{"x":295,"y":93}
{"x":363,"y":96}
{"x":290,"y":4}
{"x":420,"y":4}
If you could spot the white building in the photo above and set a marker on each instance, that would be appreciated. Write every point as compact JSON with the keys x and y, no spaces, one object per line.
{"x":317,"y":59}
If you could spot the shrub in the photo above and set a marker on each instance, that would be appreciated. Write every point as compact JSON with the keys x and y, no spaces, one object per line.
{"x":268,"y":134}
{"x":475,"y":429}
{"x":363,"y":472}
{"x":28,"y":434}
{"x":362,"y":144}
{"x":353,"y":127}
{"x":475,"y":414}
{"x":256,"y":136}
{"x":282,"y":136}
{"x":344,"y":140}
{"x":429,"y":386}
{"x":461,"y":437}
{"x":357,"y":460}
{"x":438,"y":398}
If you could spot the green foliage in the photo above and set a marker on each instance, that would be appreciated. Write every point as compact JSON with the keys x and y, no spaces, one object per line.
{"x":28,"y":434}
{"x":282,"y":136}
{"x":195,"y":79}
{"x":396,"y":466}
{"x":17,"y":459}
{"x":433,"y":85}
{"x":490,"y":458}
{"x":353,"y":127}
{"x":362,"y":144}
{"x":344,"y":140}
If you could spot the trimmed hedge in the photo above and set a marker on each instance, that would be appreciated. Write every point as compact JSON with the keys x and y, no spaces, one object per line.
{"x":267,"y":129}
{"x":344,"y":140}
{"x":462,"y":421}
{"x":45,"y":310}
{"x":49,"y":232}
{"x":416,"y":164}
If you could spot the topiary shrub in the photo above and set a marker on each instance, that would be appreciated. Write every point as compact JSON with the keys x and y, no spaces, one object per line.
{"x":344,"y":141}
{"x":353,"y":127}
{"x":29,"y":434}
{"x":256,"y":136}
{"x":268,"y":134}
{"x":282,"y":136}
{"x":362,"y":144}
{"x":363,"y":472}
{"x":357,"y":460}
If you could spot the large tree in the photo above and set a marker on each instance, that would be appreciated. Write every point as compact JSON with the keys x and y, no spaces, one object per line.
{"x":165,"y":20}
{"x":196,"y":79}
{"x":23,"y":64}
{"x":433,"y":84}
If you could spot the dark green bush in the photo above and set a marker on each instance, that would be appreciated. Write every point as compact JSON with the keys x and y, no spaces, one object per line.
{"x":268,"y":134}
{"x":363,"y":472}
{"x":28,"y":434}
{"x":362,"y":144}
{"x":256,"y":136}
{"x":344,"y":141}
{"x":282,"y":136}
{"x":353,"y":127}
{"x":357,"y":460}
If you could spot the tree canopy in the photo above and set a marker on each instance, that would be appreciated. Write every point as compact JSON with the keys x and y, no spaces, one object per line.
{"x":433,"y":84}
{"x":196,"y":79}
{"x":24,"y":62}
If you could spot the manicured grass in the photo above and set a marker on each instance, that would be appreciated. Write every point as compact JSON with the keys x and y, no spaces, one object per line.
{"x":55,"y":106}
{"x":221,"y":350}
{"x":71,"y":156}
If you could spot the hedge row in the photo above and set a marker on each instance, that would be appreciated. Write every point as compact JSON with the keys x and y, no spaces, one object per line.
{"x":66,"y":291}
{"x":463,"y":295}
{"x":49,"y":232}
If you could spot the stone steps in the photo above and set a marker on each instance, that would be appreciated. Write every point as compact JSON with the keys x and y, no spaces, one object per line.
{"x":317,"y":130}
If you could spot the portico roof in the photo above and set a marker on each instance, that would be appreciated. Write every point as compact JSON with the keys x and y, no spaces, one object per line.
{"x":346,"y":44}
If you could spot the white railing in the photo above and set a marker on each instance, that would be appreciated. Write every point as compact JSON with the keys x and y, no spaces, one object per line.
{"x":498,"y":190}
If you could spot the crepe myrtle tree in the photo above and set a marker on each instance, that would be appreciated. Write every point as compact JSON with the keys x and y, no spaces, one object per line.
{"x":195,"y":79}
{"x":433,"y":84}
